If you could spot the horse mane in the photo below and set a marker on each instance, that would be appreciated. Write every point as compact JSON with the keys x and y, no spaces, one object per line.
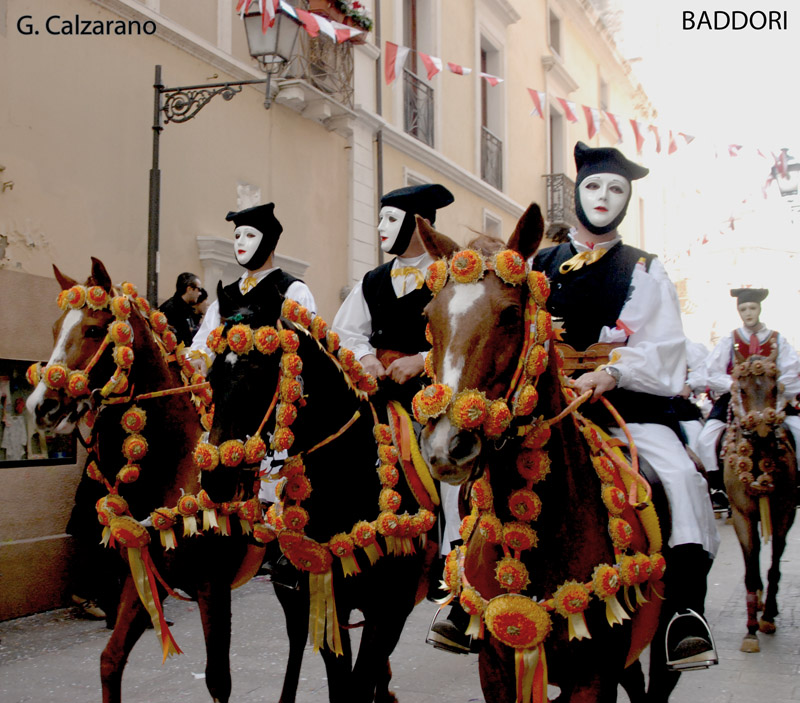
{"x":486,"y":244}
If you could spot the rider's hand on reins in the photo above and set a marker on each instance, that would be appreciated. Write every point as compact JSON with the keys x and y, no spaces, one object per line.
{"x":373,"y":366}
{"x":406,"y":367}
{"x":598,"y":381}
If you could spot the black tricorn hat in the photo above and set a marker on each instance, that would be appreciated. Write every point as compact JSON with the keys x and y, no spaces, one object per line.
{"x":423,"y":200}
{"x":749,"y":295}
{"x":604,"y":159}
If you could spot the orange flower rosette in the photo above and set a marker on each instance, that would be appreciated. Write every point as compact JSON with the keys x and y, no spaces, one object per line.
{"x":526,"y":400}
{"x":614,"y":499}
{"x":517,"y":621}
{"x":290,"y":390}
{"x":518,"y":536}
{"x":544,"y":326}
{"x":318,"y":328}
{"x":295,"y":517}
{"x":93,"y":471}
{"x":342,"y":546}
{"x":55,"y":376}
{"x":217,"y":341}
{"x":621,"y":532}
{"x":292,"y":465}
{"x":471,"y":601}
{"x":133,"y":419}
{"x":304,"y":317}
{"x":468,"y":409}
{"x":367,"y":383}
{"x":363,"y":534}
{"x":240,"y":339}
{"x":431,"y":402}
{"x":467,"y":266}
{"x":254,"y":450}
{"x":510,"y":267}
{"x":451,"y":574}
{"x":569,"y":601}
{"x":263,"y":533}
{"x":266,"y":340}
{"x":134,"y":447}
{"x":536,"y":362}
{"x":332,"y":342}
{"x":206,"y":456}
{"x":158,"y":321}
{"x":115,"y":504}
{"x":78,"y":384}
{"x":129,"y":533}
{"x":511,"y":574}
{"x":121,"y":307}
{"x":605,"y":468}
{"x":429,"y":368}
{"x":387,"y":524}
{"x":306,"y":554}
{"x":491,"y":528}
{"x":170,"y":341}
{"x":120,"y":332}
{"x":428,"y":334}
{"x":382,"y":434}
{"x":187,"y":505}
{"x":658,"y":565}
{"x":436,"y":276}
{"x":481,"y":496}
{"x":533,"y":465}
{"x":143,"y":305}
{"x":96,"y":297}
{"x":231,"y":453}
{"x":289,"y":340}
{"x":498,"y":418}
{"x":388,"y":453}
{"x":388,"y":475}
{"x":290,"y":309}
{"x":389,"y":500}
{"x":428,"y":519}
{"x":282,"y":439}
{"x":33,"y":374}
{"x":525,"y":505}
{"x":539,"y":287}
{"x":536,"y":437}
{"x":298,"y":488}
{"x":128,"y":473}
{"x":467,"y":526}
{"x":74,"y":297}
{"x":291,"y":364}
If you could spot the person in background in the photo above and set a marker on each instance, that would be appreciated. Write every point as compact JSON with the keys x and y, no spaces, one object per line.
{"x":179,"y":309}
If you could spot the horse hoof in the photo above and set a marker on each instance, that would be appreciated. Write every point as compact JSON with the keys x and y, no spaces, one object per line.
{"x":767,"y":627}
{"x":750,"y":644}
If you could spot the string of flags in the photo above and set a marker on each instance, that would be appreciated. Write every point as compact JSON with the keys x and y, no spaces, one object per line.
{"x":395,"y":57}
{"x":313,"y":24}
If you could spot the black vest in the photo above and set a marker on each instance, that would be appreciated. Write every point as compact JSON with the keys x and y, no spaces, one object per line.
{"x":397,"y":323}
{"x":276,"y":282}
{"x":589,"y":298}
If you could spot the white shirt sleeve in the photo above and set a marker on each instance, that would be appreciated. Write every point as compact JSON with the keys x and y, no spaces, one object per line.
{"x":654,"y":360}
{"x":353,"y":323}
{"x":717,"y":375}
{"x":301,"y":293}
{"x":788,"y":368}
{"x":696,"y":355}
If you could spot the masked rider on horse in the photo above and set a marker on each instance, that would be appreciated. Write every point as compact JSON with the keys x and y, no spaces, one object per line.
{"x":753,"y":337}
{"x":593,"y":277}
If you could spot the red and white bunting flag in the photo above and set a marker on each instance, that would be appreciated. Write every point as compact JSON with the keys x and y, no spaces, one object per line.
{"x":326,"y":27}
{"x":688,"y":138}
{"x":569,"y":109}
{"x":780,"y":164}
{"x":637,"y":132}
{"x":395,"y":58}
{"x":654,"y":130}
{"x":267,"y":9}
{"x":490,"y":79}
{"x":592,"y":120}
{"x":460,"y":70}
{"x":673,"y":145}
{"x":538,"y":101}
{"x":432,"y":63}
{"x":615,"y":124}
{"x":345,"y":33}
{"x":309,"y":21}
{"x":733,"y":149}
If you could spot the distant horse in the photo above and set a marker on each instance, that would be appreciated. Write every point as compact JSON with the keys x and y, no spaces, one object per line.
{"x":344,"y":496}
{"x":113,"y":362}
{"x":550,"y":542}
{"x":760,"y":479}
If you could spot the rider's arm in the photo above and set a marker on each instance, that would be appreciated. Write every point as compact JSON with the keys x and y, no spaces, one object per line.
{"x":199,"y":351}
{"x":717,"y":375}
{"x":788,"y":368}
{"x":353,"y":323}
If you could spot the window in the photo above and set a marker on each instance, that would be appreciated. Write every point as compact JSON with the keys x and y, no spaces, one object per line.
{"x":21,"y":442}
{"x":417,"y":94}
{"x":554,"y":31}
{"x":557,"y":136}
{"x":491,"y":118}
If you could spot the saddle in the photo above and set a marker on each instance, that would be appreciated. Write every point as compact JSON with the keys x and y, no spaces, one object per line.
{"x":587,"y":360}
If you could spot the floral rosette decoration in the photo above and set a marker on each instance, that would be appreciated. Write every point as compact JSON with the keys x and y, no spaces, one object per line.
{"x":164,"y":520}
{"x":231,"y":453}
{"x":128,"y":473}
{"x":240,"y":339}
{"x":614,"y":499}
{"x":518,"y":537}
{"x":118,"y":383}
{"x":78,"y":384}
{"x":170,"y":341}
{"x":282,"y":439}
{"x":621,"y":533}
{"x":188,"y":508}
{"x":481,"y":496}
{"x":295,"y":518}
{"x":143,"y":305}
{"x":290,"y":390}
{"x":332,"y":342}
{"x":511,"y":574}
{"x":93,"y":472}
{"x":431,"y":402}
{"x":388,"y":475}
{"x":285,"y":414}
{"x":96,"y":297}
{"x":364,"y":536}
{"x":526,"y":401}
{"x":536,"y":437}
{"x":491,"y":528}
{"x":605,"y":585}
{"x":342,"y":546}
{"x":658,"y":565}
{"x":510,"y":267}
{"x":436,"y":276}
{"x":33,"y":374}
{"x":539,"y":287}
{"x":633,"y":571}
{"x":133,"y":419}
{"x":544,"y":326}
{"x":158,"y":321}
{"x":473,"y":604}
{"x":536,"y":362}
{"x":121,"y":307}
{"x":604,"y":468}
{"x":318,"y":328}
{"x":290,"y":309}
{"x":74,"y":298}
{"x":498,"y":419}
{"x":388,"y":453}
{"x":525,"y":505}
{"x":305,"y":554}
{"x":263,"y":533}
{"x":209,"y":508}
{"x":298,"y":488}
{"x":569,"y":601}
{"x":291,"y":364}
{"x":429,"y":368}
{"x":55,"y":376}
{"x":468,"y":524}
{"x":206,"y":456}
{"x":217,"y":341}
{"x":248,"y":512}
{"x":451,"y":574}
{"x":467,"y":266}
{"x":134,"y":447}
{"x":120,"y":332}
{"x":254,"y":450}
{"x":533,"y":465}
{"x":517,"y":621}
{"x":389,"y":500}
{"x":289,"y":340}
{"x":468,"y":409}
{"x":382,"y":434}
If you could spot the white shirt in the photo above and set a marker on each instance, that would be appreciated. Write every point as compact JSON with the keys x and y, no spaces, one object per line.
{"x":297,"y":291}
{"x":696,"y":355}
{"x":788,"y":363}
{"x":353,"y":321}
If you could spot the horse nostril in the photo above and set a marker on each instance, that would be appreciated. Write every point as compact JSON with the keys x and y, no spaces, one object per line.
{"x":463,"y":446}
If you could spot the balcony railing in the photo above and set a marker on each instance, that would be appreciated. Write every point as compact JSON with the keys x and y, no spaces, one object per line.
{"x":326,"y":65}
{"x":560,"y":206}
{"x":491,"y":159}
{"x":418,"y":108}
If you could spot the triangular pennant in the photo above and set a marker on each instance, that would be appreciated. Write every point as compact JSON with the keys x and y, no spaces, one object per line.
{"x":615,"y":124}
{"x":569,"y":109}
{"x":673,"y":145}
{"x":395,"y":58}
{"x":345,"y":33}
{"x":638,"y":134}
{"x":432,"y":63}
{"x":688,"y":138}
{"x":592,"y":120}
{"x":538,"y":101}
{"x":326,"y":27}
{"x":654,"y":130}
{"x":490,"y":79}
{"x":460,"y":70}
{"x":309,"y":21}
{"x":733,"y":149}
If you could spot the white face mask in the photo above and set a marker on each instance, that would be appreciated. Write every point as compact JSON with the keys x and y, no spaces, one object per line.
{"x":246,"y":240}
{"x":390,"y":220}
{"x":603,"y":197}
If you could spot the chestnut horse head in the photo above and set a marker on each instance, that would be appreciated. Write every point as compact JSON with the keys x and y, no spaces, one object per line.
{"x":478,"y":334}
{"x":756,"y":397}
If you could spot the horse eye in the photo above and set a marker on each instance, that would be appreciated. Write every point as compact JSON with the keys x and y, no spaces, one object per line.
{"x":509,"y":317}
{"x":95,"y":332}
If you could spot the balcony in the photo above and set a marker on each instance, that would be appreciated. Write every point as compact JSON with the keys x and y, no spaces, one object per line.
{"x":491,"y":159}
{"x":418,"y":104}
{"x":560,"y":206}
{"x":325,"y":65}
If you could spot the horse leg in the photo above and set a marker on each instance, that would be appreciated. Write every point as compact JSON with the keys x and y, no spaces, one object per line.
{"x":747,"y":533}
{"x":131,"y":621}
{"x":633,"y":683}
{"x":339,"y":670}
{"x":214,"y":602}
{"x":382,"y":692}
{"x":662,"y":681}
{"x":295,"y":612}
{"x":767,"y":622}
{"x":497,"y":675}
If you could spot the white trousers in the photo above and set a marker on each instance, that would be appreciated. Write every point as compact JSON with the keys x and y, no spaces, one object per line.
{"x":687,"y":491}
{"x":707,"y":441}
{"x":452,"y":518}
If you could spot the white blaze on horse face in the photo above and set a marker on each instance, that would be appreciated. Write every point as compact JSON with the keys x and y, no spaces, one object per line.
{"x":603,"y":197}
{"x":246,"y":241}
{"x":390,"y":220}
{"x":59,"y":355}
{"x":465,"y":296}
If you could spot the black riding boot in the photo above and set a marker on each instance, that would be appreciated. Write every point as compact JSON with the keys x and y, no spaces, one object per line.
{"x":689,"y":643}
{"x":719,"y":498}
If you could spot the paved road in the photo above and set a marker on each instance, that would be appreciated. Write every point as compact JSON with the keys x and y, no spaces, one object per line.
{"x":54,"y":657}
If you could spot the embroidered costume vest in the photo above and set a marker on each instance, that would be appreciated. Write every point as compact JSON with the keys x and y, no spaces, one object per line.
{"x":278,"y":281}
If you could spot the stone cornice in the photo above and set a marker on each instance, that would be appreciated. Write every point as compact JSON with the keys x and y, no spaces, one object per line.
{"x":560,"y":73}
{"x":503,"y":10}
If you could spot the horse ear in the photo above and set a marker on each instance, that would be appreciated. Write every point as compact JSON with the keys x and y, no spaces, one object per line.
{"x":100,"y":275}
{"x":225,"y":302}
{"x":64,"y":281}
{"x":438,"y":245}
{"x":528,"y":233}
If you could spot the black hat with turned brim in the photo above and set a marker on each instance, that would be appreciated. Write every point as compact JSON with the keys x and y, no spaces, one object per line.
{"x":423,"y":200}
{"x":749,"y":295}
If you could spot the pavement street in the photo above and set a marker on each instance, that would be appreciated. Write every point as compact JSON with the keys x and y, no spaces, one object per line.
{"x":53,"y":657}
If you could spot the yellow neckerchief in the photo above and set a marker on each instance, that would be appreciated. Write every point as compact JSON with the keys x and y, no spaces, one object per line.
{"x":409,"y":271}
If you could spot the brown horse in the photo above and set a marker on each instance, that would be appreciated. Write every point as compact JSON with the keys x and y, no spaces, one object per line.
{"x":113,"y":362}
{"x":543,"y":599}
{"x":349,"y":516}
{"x":760,"y":478}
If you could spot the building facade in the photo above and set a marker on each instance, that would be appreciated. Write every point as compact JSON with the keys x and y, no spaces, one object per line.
{"x":76,"y":154}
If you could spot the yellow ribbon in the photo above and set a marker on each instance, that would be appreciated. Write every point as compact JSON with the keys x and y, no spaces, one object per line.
{"x":323,"y":623}
{"x":582,"y":259}
{"x":409,"y":271}
{"x":766,"y":519}
{"x":249,"y":283}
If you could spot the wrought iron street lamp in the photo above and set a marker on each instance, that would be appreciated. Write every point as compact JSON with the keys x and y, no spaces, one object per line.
{"x":273,"y":47}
